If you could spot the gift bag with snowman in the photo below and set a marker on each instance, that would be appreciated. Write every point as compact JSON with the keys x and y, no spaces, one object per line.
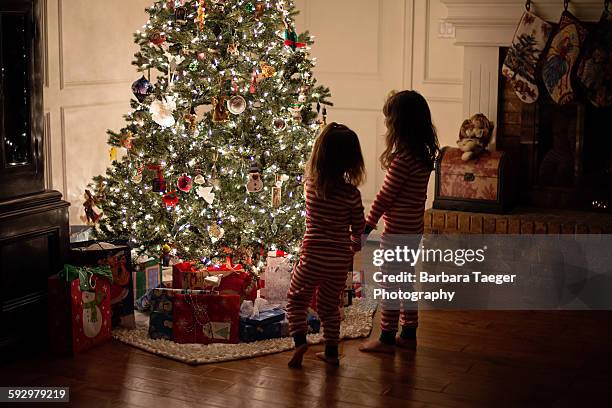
{"x":79,"y":308}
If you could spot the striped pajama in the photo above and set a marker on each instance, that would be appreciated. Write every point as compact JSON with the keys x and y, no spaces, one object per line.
{"x":333,"y":232}
{"x":401,"y":204}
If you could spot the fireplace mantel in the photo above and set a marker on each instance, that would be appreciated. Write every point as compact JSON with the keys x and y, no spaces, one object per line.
{"x":482,"y":26}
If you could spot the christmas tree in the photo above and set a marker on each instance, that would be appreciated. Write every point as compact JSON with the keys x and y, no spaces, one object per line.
{"x":219,"y":133}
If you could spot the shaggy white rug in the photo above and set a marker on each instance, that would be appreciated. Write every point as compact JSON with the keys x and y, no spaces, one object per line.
{"x":357,"y":324}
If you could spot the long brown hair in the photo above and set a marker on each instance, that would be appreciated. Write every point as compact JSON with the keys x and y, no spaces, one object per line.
{"x":336,"y":159}
{"x":409,"y":128}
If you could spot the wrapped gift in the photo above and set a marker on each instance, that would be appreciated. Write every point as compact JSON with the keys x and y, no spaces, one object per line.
{"x":161,"y":301}
{"x":146,"y":275}
{"x":266,"y":317}
{"x":314,"y":324}
{"x":200,"y":318}
{"x":226,"y":279}
{"x":79,"y":308}
{"x":118,"y":257}
{"x":277,"y":277}
{"x":275,"y":330}
{"x":358,"y":282}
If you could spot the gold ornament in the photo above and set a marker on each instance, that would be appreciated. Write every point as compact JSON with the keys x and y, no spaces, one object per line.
{"x":200,"y":19}
{"x":267,"y":71}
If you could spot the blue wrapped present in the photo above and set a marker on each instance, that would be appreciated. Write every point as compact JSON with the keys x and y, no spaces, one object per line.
{"x":275,"y":330}
{"x":267,"y":317}
{"x":160,"y":326}
{"x":314,"y":324}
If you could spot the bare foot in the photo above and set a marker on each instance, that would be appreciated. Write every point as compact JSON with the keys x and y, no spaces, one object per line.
{"x":298,"y":356}
{"x":335,"y":361}
{"x":375,"y":346}
{"x":405,"y":343}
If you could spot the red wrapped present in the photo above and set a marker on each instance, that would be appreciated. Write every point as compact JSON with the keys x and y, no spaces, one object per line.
{"x":225,"y":279}
{"x":79,"y":309}
{"x":206,"y":319}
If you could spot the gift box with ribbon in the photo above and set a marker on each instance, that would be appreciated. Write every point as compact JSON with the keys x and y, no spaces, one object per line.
{"x":79,"y":308}
{"x":146,"y":275}
{"x":226,"y":279}
{"x":161,"y":301}
{"x":275,"y":330}
{"x":205,"y":319}
{"x":265,"y":317}
{"x":277,"y":277}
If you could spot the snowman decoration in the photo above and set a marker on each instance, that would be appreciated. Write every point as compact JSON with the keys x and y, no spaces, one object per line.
{"x":255,"y":184}
{"x":92,"y":316}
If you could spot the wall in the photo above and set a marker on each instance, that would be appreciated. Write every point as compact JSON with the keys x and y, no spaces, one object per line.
{"x":365,"y":48}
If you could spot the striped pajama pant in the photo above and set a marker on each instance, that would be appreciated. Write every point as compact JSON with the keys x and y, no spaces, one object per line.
{"x":406,"y":313}
{"x":325,"y":269}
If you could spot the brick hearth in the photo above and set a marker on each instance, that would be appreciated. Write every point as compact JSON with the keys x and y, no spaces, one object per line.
{"x":522,"y":221}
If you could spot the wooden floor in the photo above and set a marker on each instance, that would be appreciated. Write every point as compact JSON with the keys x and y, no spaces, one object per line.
{"x":464,"y":359}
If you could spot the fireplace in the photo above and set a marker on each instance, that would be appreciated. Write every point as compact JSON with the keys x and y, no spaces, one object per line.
{"x":563,"y":151}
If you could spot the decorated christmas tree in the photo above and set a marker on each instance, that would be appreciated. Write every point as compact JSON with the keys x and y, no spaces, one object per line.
{"x":222,"y":123}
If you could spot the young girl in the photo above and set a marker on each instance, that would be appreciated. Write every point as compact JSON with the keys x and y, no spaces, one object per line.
{"x":412,"y":147}
{"x":334,"y":224}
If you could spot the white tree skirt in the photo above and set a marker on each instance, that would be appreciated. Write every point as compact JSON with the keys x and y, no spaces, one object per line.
{"x":357,"y":324}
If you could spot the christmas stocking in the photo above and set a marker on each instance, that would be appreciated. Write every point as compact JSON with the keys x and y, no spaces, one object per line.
{"x":595,"y":69}
{"x":561,"y":58}
{"x":523,"y":56}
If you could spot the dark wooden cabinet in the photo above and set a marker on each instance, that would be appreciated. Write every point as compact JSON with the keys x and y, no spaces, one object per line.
{"x":33,"y":221}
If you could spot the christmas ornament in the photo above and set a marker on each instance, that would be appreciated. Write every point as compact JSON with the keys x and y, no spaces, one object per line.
{"x":185,"y":183}
{"x":201,"y":56}
{"x":193,"y":67}
{"x":180,"y":15}
{"x":267,"y":71}
{"x":302,"y":98}
{"x":137,"y":178}
{"x":112,"y":153}
{"x":255,"y":183}
{"x":523,"y":56}
{"x":157,"y":38}
{"x":142,"y":88}
{"x":296,"y":110}
{"x":199,"y":178}
{"x":162,"y":112}
{"x":236,"y":104}
{"x":562,"y":56}
{"x":91,"y":216}
{"x":279,"y":124}
{"x":191,"y":120}
{"x":250,"y":7}
{"x":159,"y":184}
{"x":200,"y":19}
{"x":170,"y":199}
{"x":206,"y":194}
{"x":291,"y":40}
{"x":232,"y":48}
{"x":277,"y":192}
{"x":253,"y":86}
{"x":215,"y":232}
{"x":259,"y":10}
{"x":170,"y":4}
{"x":220,"y":113}
{"x":595,"y":70}
{"x":126,"y":139}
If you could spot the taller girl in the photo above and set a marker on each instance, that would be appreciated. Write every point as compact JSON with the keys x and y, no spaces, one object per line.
{"x":412,"y":147}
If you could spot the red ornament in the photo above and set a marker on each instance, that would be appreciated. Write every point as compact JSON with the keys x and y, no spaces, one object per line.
{"x":170,"y":199}
{"x":185,"y":183}
{"x":157,"y":38}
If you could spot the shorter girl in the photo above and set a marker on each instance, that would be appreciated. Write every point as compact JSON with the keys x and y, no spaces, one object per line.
{"x":334,"y":224}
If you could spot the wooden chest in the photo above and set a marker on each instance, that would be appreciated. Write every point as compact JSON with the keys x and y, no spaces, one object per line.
{"x":477,"y":185}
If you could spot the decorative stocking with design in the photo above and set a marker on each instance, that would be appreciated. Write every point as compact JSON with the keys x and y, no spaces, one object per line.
{"x":561,"y":58}
{"x":595,"y":69}
{"x":522,"y":59}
